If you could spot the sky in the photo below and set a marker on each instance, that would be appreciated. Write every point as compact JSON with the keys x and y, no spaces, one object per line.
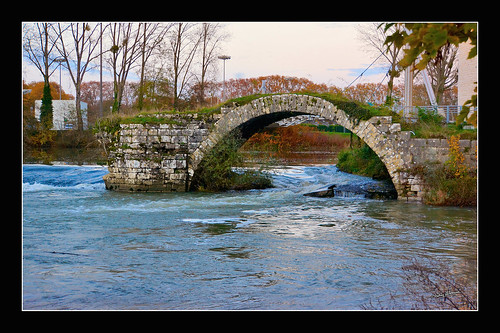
{"x":323,"y":52}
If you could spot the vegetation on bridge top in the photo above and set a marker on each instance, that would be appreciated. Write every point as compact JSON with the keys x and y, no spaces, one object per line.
{"x":428,"y":126}
{"x":354,"y":109}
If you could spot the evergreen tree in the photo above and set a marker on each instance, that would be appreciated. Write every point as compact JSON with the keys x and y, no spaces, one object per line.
{"x":46,"y":110}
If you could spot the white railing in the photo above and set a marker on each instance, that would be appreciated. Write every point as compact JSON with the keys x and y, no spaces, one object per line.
{"x":449,"y":112}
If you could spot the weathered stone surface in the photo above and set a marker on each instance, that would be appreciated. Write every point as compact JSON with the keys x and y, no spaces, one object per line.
{"x":154,"y":157}
{"x":165,"y":156}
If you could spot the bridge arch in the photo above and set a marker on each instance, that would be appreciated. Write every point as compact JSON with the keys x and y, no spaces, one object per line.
{"x":255,"y":115}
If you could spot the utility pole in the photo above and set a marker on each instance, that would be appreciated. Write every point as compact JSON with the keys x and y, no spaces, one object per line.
{"x":60,"y":61}
{"x":408,"y":96}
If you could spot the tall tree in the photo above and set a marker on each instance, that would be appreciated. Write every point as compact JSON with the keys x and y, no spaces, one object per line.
{"x":374,"y":35}
{"x":77,"y":44}
{"x":428,"y":41}
{"x":38,"y":49}
{"x":151,"y":37}
{"x":125,"y":50}
{"x":443,"y":71}
{"x":211,"y":36}
{"x":425,"y":41}
{"x":183,"y":43}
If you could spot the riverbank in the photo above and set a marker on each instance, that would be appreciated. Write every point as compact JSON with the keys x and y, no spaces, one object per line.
{"x":449,"y":184}
{"x":68,"y":147}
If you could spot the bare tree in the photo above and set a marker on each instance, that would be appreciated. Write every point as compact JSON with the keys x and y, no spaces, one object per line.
{"x":182,"y":49}
{"x":443,"y":71}
{"x":210,"y":38}
{"x":374,"y":36}
{"x":152,"y":36}
{"x":77,"y":44}
{"x":125,"y":50}
{"x":38,"y":48}
{"x":431,"y":284}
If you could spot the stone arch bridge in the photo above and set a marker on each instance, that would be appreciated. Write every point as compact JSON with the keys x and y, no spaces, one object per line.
{"x":163,"y":155}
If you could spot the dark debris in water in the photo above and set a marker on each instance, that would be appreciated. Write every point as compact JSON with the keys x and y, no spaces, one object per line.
{"x":378,"y":190}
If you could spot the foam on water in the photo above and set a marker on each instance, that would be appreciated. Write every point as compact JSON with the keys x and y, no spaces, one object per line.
{"x":38,"y":177}
{"x":239,"y":221}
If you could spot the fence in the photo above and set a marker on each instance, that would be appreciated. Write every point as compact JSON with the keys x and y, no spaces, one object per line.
{"x":449,"y":112}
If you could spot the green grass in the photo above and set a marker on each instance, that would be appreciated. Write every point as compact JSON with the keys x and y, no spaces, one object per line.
{"x":215,"y":172}
{"x":362,"y":161}
{"x":429,"y":125}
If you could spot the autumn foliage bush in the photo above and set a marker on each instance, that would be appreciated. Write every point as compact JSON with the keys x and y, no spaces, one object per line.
{"x":452,"y":183}
{"x":281,"y":141}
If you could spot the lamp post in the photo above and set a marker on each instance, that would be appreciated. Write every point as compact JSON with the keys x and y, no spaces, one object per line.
{"x":59,"y":60}
{"x":224,"y":58}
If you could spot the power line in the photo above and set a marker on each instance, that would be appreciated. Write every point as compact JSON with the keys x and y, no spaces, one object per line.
{"x":378,"y":85}
{"x":360,"y":75}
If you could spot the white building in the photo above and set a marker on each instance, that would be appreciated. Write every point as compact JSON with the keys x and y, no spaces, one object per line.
{"x":64,"y":114}
{"x":467,"y":73}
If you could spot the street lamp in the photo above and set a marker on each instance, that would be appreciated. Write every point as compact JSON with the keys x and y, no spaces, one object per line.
{"x":224,"y":58}
{"x":59,"y":60}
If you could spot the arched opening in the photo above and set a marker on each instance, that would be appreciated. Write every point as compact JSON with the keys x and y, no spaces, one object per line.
{"x":214,"y":170}
{"x":240,"y":134}
{"x":262,"y":111}
{"x":252,"y":126}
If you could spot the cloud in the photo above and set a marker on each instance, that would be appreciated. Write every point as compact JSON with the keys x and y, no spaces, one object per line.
{"x":373,"y":70}
{"x":239,"y":75}
{"x":346,"y":76}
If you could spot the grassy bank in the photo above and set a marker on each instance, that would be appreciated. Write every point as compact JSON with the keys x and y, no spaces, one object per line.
{"x":430,"y":125}
{"x":452,"y":183}
{"x":362,"y":160}
{"x":71,"y":147}
{"x":215,"y":172}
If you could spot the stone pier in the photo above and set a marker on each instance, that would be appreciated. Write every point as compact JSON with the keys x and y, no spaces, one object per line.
{"x":163,"y":154}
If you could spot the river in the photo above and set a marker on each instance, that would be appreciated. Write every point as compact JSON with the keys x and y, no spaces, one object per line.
{"x":87,"y":248}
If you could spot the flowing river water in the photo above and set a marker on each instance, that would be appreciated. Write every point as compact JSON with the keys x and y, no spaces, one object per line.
{"x":274,"y":249}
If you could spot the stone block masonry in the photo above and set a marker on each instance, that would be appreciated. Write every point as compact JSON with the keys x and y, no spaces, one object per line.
{"x":163,"y":154}
{"x":154,"y":157}
{"x":422,"y":151}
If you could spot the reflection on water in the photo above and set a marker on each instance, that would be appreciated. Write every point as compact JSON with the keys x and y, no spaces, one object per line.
{"x":88,"y":248}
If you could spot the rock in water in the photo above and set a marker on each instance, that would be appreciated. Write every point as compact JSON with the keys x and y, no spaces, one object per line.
{"x":328,"y":193}
{"x":379,"y":190}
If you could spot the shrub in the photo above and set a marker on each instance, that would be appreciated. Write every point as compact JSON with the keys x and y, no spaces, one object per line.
{"x":451,"y":183}
{"x":362,"y":161}
{"x":429,"y":116}
{"x":433,"y":285}
{"x":430,"y":284}
{"x":215,"y":172}
{"x":446,"y":189}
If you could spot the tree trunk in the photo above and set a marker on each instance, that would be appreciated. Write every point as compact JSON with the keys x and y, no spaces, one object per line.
{"x":79,"y":119}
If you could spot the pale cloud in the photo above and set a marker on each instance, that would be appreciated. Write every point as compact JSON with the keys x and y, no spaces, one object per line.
{"x":324,"y":52}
